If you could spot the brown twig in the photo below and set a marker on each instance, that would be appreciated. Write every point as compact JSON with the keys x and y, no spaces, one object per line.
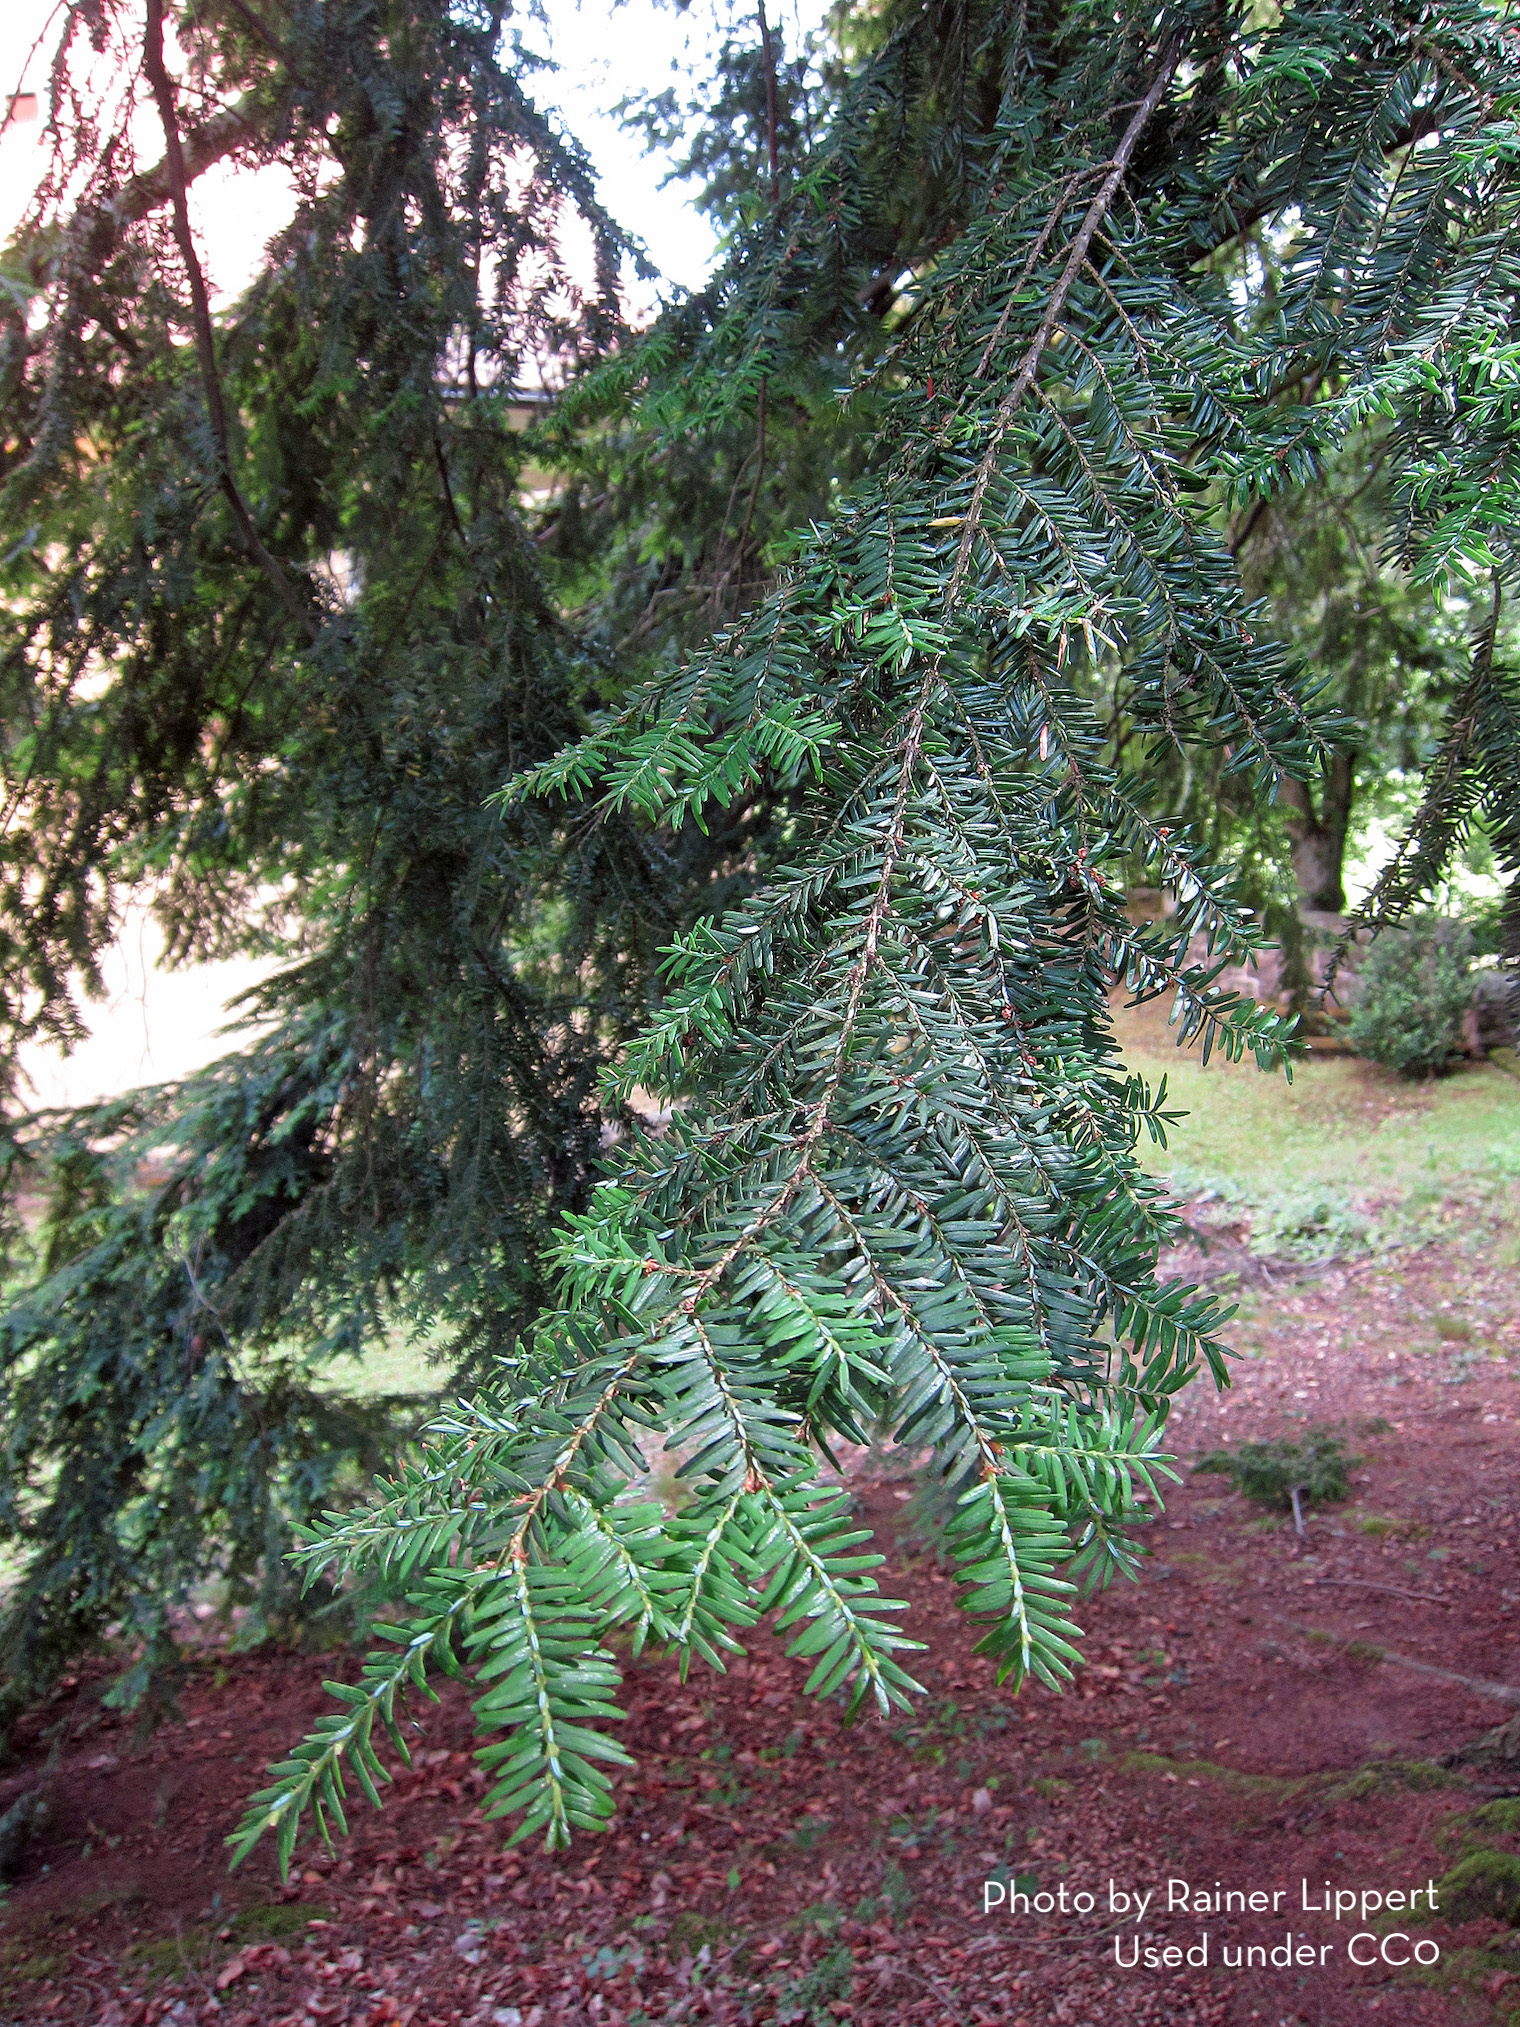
{"x":205,"y":343}
{"x":1239,"y":537}
{"x":1030,"y":364}
{"x":769,"y":55}
{"x":1500,"y":1692}
{"x":953,"y":2007}
{"x":1068,"y":185}
{"x":754,"y":497}
{"x":267,"y":36}
{"x":1393,"y":1590}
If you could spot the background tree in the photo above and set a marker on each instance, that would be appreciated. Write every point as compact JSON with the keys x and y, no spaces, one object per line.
{"x":1393,"y":653}
{"x":273,"y":630}
{"x":1321,"y":560}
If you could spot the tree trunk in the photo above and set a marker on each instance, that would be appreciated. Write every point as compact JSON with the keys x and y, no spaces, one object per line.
{"x":1319,"y":840}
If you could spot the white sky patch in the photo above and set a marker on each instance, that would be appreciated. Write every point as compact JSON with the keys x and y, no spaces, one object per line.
{"x":21,"y":142}
{"x":152,"y":1026}
{"x":602,"y":55}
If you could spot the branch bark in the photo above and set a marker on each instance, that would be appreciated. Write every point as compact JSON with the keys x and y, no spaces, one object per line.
{"x":1023,"y":380}
{"x":201,"y":148}
{"x":205,"y":343}
{"x":769,"y":55}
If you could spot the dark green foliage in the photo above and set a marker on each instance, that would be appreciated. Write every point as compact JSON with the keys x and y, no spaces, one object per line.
{"x":156,"y":1434}
{"x":1316,"y":1468}
{"x":895,"y":1190}
{"x":1416,"y":989}
{"x":268,"y":675}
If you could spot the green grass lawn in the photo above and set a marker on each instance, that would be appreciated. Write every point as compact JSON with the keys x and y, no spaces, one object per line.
{"x":401,"y":1364}
{"x":1309,"y":1157}
{"x":1343,"y":1128}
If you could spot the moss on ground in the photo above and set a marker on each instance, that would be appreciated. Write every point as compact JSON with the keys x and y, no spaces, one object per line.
{"x":1210,"y":1770}
{"x":272,"y":1923}
{"x":1377,"y":1778}
{"x":203,"y":1946}
{"x":19,"y":1965}
{"x":1415,"y":1776}
{"x":1483,"y":1886}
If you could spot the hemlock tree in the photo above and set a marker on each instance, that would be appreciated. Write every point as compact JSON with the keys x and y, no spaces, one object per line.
{"x":898,"y":1196}
{"x":273,"y":630}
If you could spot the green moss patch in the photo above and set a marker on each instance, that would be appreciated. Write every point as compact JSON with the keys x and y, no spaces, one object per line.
{"x":1209,"y":1770}
{"x":1497,"y":1819}
{"x":1415,"y":1776}
{"x":273,"y":1923}
{"x":1471,"y":1970}
{"x":1483,"y":1886}
{"x":18,"y":1968}
{"x":204,"y":1946}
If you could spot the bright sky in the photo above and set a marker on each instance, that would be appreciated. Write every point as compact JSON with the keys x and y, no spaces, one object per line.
{"x":155,"y":1024}
{"x":603,"y":54}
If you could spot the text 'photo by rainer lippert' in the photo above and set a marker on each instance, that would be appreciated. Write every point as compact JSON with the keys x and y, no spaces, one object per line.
{"x":1180,"y":1923}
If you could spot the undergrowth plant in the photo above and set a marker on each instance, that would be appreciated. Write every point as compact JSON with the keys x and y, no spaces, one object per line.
{"x":1417,"y":986}
{"x":1285,"y":1473}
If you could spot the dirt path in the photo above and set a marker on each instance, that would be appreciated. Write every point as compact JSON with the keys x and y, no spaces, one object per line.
{"x":1236,"y":1730}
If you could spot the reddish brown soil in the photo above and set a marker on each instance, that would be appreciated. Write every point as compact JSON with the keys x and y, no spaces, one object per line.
{"x":772,"y":1864}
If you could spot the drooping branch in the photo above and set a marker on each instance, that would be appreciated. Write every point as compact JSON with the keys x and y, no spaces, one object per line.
{"x":205,"y":341}
{"x":200,"y":148}
{"x":1023,"y":380}
{"x":1445,"y":806}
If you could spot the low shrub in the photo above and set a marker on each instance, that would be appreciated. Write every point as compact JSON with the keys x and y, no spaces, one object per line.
{"x":1416,"y":989}
{"x":1273,"y":1473}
